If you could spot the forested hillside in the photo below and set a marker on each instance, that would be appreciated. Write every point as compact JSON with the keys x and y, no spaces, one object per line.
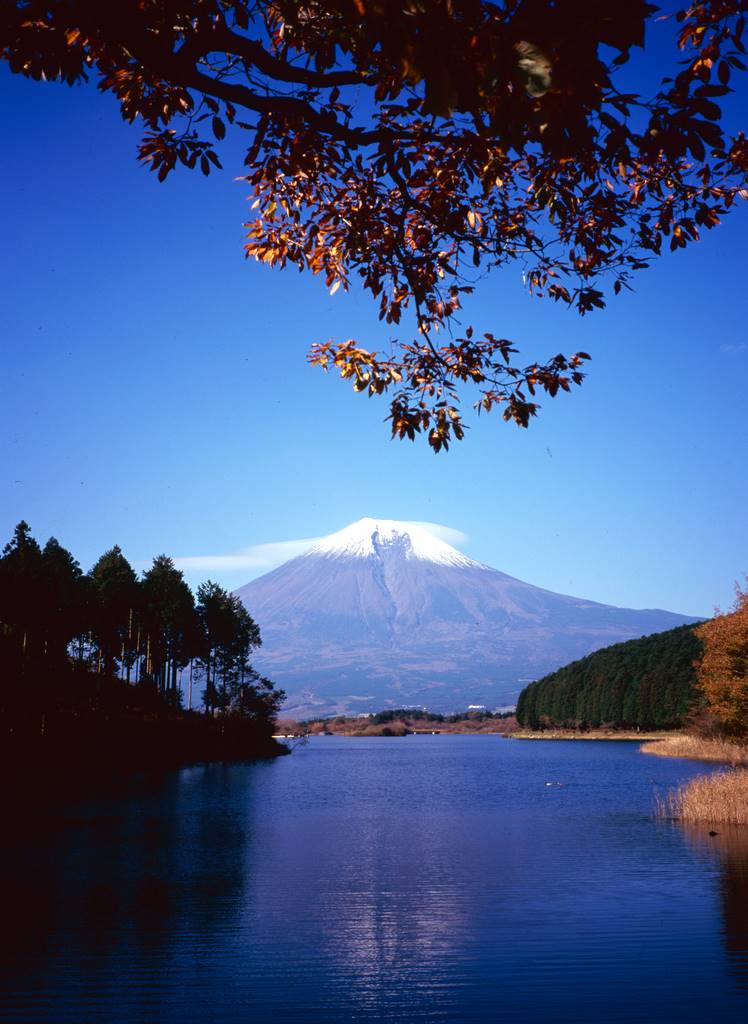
{"x":647,"y":682}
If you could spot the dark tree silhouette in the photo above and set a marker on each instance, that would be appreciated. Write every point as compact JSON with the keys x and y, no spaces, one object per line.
{"x":61,"y":614}
{"x":21,"y":587}
{"x":169,"y":618}
{"x":229,"y":635}
{"x":116,"y":596}
{"x":65,"y":638}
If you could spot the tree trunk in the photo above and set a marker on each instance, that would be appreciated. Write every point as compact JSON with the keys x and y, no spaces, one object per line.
{"x":129,"y":646}
{"x":208,"y":683}
{"x":138,"y":658}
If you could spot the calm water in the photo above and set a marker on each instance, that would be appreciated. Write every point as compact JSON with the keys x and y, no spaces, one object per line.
{"x":419,"y":879}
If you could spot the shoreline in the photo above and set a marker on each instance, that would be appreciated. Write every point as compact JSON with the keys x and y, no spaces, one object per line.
{"x":401,"y":722}
{"x":626,"y":735}
{"x":695,"y":748}
{"x":623,"y":735}
{"x":401,"y":735}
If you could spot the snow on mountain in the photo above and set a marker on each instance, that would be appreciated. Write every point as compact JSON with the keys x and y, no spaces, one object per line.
{"x":385,"y":613}
{"x":367,"y":537}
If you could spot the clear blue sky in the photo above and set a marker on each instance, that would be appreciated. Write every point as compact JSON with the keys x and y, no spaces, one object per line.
{"x":155,"y":392}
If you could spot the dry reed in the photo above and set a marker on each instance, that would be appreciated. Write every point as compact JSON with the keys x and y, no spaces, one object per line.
{"x":699,"y":749}
{"x":719,"y":799}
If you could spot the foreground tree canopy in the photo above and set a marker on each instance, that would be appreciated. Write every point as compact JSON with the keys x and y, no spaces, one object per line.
{"x":416,"y":144}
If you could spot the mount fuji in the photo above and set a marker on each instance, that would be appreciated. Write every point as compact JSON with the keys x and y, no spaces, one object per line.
{"x":386,"y":614}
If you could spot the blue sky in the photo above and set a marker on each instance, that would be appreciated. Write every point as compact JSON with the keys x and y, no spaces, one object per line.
{"x":155,"y":392}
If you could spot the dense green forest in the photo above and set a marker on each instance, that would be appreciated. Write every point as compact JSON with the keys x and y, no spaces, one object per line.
{"x":107,"y":660}
{"x":647,"y":683}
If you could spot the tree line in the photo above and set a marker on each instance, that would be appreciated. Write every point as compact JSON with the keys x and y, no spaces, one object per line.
{"x":419,"y":714}
{"x":148,"y":631}
{"x":648,"y":683}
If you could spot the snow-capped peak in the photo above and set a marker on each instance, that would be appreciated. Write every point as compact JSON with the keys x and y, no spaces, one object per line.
{"x":367,"y":537}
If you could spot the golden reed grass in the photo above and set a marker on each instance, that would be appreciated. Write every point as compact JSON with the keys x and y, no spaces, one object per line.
{"x":699,"y":749}
{"x":719,"y":799}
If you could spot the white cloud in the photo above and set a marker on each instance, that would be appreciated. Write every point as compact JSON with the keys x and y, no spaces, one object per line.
{"x":267,"y":556}
{"x":741,"y":347}
{"x":258,"y":556}
{"x":445,"y":533}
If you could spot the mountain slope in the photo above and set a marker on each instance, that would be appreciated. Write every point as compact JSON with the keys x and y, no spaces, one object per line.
{"x":384,"y":613}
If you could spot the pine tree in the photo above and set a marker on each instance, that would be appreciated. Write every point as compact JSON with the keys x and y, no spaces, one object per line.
{"x":63,"y":608}
{"x":116,"y":599}
{"x":21,"y":589}
{"x":168,"y":611}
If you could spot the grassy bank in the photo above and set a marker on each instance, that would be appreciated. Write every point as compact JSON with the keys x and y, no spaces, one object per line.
{"x":698,"y":748}
{"x":588,"y":734}
{"x":719,"y":799}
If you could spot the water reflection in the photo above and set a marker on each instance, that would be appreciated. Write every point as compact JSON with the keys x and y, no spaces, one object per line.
{"x":399,"y":917}
{"x":108,"y":902}
{"x":730,"y":846}
{"x":435,"y":882}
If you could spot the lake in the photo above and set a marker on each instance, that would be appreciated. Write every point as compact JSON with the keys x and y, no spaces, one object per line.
{"x":423,"y":879}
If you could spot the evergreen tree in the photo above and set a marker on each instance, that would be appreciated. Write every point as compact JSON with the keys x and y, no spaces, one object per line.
{"x":116,"y":599}
{"x":63,"y":608}
{"x":168,"y":611}
{"x":229,"y":635}
{"x":213,"y":617}
{"x":21,"y":590}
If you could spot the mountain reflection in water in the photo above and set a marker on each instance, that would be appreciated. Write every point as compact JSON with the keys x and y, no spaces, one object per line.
{"x":425,"y":879}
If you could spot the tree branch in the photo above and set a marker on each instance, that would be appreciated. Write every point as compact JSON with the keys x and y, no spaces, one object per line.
{"x":222,"y":39}
{"x":284,"y":106}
